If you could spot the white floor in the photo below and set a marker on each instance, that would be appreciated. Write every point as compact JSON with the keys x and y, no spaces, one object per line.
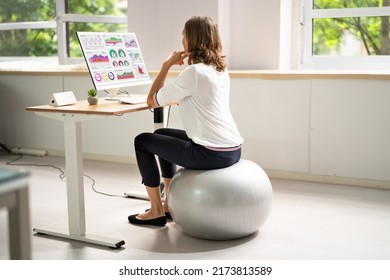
{"x":308,"y":221}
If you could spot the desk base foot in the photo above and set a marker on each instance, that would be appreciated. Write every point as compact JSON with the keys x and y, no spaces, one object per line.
{"x":143,"y":195}
{"x":94,"y":239}
{"x":137,"y":195}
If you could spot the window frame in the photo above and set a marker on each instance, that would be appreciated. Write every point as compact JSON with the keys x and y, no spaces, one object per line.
{"x":309,"y":61}
{"x":60,"y":23}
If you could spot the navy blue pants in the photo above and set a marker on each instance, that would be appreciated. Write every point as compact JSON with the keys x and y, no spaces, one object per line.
{"x":173,"y":147}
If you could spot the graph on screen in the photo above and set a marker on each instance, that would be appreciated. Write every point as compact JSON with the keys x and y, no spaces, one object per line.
{"x":114,"y":60}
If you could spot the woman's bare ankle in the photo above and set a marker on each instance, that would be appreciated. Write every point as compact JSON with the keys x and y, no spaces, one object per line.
{"x":148,"y":215}
{"x":166,"y":207}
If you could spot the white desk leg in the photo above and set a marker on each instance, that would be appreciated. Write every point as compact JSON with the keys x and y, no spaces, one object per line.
{"x":75,"y":190}
{"x":74,"y":177}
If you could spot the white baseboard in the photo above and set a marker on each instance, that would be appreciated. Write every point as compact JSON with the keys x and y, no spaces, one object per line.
{"x":98,"y":157}
{"x":328,"y":179}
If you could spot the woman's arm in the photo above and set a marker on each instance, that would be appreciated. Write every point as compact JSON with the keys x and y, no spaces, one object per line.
{"x":176,"y":58}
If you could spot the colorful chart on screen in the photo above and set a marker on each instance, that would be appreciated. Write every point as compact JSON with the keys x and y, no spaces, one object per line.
{"x":114,"y":60}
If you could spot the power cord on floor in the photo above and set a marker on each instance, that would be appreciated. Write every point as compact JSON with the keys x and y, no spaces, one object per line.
{"x":62,"y":173}
{"x":12,"y":162}
{"x":4,"y":147}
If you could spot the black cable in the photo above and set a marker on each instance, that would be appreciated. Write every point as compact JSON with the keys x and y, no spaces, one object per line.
{"x":62,"y":173}
{"x":119,"y":92}
{"x":99,"y":192}
{"x":4,"y":147}
{"x":11,"y":162}
{"x":123,"y":92}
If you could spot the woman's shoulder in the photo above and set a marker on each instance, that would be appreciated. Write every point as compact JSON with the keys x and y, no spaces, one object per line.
{"x":201,"y":66}
{"x":199,"y":70}
{"x":204,"y":68}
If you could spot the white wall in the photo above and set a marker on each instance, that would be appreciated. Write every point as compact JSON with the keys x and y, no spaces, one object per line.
{"x":336,"y":128}
{"x":255,"y":32}
{"x":159,"y":24}
{"x":250,"y":29}
{"x":350,"y":128}
{"x":106,"y":138}
{"x":274,"y":118}
{"x":328,"y":128}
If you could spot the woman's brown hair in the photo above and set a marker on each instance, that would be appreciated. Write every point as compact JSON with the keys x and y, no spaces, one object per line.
{"x":204,"y":43}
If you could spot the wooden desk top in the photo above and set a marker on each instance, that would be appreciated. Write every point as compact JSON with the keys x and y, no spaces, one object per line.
{"x":104,"y":107}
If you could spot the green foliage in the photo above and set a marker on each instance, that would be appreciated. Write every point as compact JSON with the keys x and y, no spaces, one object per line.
{"x":328,"y":33}
{"x":27,"y":10}
{"x":74,"y":46}
{"x":43,"y":42}
{"x":27,"y":42}
{"x":373,"y":32}
{"x":92,"y":92}
{"x":94,"y":7}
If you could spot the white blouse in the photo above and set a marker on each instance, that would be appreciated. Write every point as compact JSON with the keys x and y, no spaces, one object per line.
{"x":203,"y":96}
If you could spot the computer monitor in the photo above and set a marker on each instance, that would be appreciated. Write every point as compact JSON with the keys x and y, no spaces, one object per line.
{"x":114,"y":60}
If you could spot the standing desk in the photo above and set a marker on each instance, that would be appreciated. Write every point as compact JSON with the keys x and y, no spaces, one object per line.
{"x":72,"y":116}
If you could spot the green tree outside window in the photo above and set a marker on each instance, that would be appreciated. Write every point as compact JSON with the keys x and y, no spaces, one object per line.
{"x":43,"y":42}
{"x":372,"y":32}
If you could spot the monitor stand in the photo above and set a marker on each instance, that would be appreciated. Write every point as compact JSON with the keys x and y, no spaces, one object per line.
{"x":113,"y":94}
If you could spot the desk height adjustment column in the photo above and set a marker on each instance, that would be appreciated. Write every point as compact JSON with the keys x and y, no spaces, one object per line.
{"x":158,"y":117}
{"x":75,"y":179}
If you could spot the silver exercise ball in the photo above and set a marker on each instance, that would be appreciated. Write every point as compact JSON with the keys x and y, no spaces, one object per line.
{"x":221,"y":204}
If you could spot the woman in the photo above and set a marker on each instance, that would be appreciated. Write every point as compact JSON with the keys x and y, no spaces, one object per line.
{"x":210,"y":139}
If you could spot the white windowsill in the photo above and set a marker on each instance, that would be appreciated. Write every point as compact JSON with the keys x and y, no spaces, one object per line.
{"x":44,"y":68}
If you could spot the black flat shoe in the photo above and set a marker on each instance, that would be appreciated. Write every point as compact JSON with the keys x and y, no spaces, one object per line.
{"x":160,"y":221}
{"x":167,"y":214}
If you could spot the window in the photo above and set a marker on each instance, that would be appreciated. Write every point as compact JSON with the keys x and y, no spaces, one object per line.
{"x":46,"y":28}
{"x":346,"y":34}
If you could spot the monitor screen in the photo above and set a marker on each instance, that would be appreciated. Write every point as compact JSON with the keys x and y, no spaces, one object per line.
{"x":114,"y":60}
